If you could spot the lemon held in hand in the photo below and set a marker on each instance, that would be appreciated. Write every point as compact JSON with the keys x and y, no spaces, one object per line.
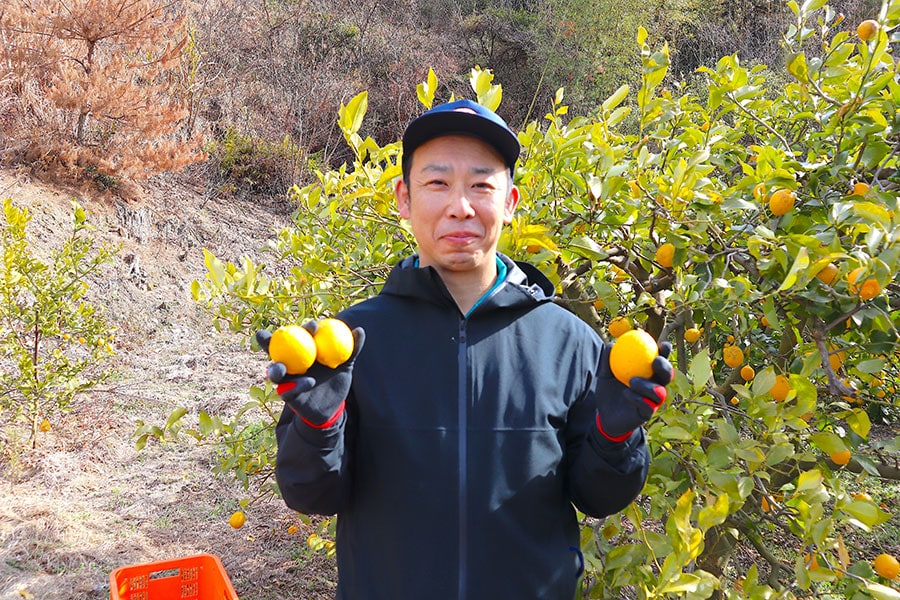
{"x":632,"y":355}
{"x":294,"y":347}
{"x":334,"y":342}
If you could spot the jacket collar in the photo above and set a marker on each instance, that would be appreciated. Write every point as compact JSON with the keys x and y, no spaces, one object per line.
{"x":524,"y":285}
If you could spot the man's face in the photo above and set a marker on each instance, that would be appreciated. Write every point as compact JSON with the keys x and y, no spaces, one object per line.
{"x":457,"y":200}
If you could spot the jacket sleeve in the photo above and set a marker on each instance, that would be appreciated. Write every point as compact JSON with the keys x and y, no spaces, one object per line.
{"x":603,"y":476}
{"x":311,"y":466}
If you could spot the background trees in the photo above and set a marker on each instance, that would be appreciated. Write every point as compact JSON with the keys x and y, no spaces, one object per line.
{"x":94,"y":88}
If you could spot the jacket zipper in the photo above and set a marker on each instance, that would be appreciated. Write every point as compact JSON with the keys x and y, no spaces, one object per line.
{"x":462,"y":419}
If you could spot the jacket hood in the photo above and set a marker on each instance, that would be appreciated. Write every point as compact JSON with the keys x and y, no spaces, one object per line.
{"x":524,"y":285}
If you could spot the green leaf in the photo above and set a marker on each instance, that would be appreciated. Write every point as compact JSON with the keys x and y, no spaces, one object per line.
{"x":881,"y":592}
{"x":828,"y":442}
{"x":350,"y":117}
{"x":616,"y":98}
{"x":867,"y":513}
{"x":710,"y":516}
{"x":801,"y":263}
{"x":700,"y":370}
{"x":425,"y":90}
{"x":858,"y":421}
{"x":796,"y":66}
{"x":174,"y":418}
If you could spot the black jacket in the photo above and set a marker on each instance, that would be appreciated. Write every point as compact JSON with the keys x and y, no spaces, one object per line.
{"x":465,"y":443}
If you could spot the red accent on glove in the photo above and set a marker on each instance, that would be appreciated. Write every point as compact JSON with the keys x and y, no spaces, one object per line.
{"x":660,"y":392}
{"x":616,"y":439}
{"x":334,"y":418}
{"x":287,"y":386}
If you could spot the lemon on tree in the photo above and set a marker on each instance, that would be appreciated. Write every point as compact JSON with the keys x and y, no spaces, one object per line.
{"x":618,"y":326}
{"x":828,"y":273}
{"x":732,"y":355}
{"x":747,"y":373}
{"x":866,"y":290}
{"x":665,"y":255}
{"x":333,"y":342}
{"x":887,"y":565}
{"x":841,"y":457}
{"x":867,"y":29}
{"x":632,"y":355}
{"x":691,"y":335}
{"x":781,"y":202}
{"x":781,"y":388}
{"x":294,"y":347}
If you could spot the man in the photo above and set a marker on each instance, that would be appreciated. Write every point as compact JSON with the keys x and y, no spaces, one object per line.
{"x":474,"y":412}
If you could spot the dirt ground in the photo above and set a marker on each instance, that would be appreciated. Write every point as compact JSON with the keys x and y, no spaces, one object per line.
{"x":86,"y":502}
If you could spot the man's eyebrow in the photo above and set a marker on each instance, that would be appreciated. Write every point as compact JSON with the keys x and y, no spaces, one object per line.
{"x":443,"y":168}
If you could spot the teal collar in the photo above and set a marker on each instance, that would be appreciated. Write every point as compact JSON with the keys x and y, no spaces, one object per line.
{"x":502,"y":270}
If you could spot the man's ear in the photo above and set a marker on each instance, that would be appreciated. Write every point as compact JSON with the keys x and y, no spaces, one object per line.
{"x":401,"y":193}
{"x":511,"y":201}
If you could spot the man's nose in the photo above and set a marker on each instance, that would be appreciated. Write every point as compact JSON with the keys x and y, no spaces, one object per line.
{"x":459,"y":206}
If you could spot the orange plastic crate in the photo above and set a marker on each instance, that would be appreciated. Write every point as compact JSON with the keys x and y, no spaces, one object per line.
{"x":200,"y":577}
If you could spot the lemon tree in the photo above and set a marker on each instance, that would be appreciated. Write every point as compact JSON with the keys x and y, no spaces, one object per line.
{"x":772,"y":186}
{"x":53,"y":343}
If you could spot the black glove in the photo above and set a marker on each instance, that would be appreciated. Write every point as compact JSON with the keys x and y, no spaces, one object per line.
{"x":317,"y":396}
{"x":621,"y":409}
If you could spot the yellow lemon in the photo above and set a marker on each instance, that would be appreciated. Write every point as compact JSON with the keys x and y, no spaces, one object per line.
{"x":293,"y":346}
{"x":867,"y":29}
{"x":836,"y":358}
{"x":691,"y":335}
{"x":747,"y":373}
{"x":237,"y":520}
{"x":664,"y":255}
{"x":334,"y":342}
{"x":733,"y":356}
{"x":781,"y":388}
{"x":781,"y":202}
{"x":620,"y":275}
{"x":828,"y":273}
{"x":618,"y":326}
{"x":887,"y":566}
{"x":841,"y":457}
{"x":867,"y":290}
{"x":860,"y":188}
{"x":632,"y":355}
{"x":759,"y":192}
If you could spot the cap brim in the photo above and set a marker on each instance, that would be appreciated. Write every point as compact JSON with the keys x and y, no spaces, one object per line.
{"x":430,"y":126}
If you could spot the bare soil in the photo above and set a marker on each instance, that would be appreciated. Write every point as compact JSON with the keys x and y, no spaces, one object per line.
{"x":86,"y":502}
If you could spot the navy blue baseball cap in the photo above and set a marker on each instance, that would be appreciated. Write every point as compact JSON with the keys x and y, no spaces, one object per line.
{"x":462,"y":117}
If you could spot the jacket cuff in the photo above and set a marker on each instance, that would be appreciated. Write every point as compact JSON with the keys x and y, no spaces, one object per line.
{"x":614,"y":449}
{"x":321,"y":435}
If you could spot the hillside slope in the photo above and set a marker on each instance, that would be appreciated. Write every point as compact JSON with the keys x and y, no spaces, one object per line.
{"x":86,"y":502}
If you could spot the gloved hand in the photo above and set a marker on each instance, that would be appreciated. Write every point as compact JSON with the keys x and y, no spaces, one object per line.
{"x":621,"y":409}
{"x":317,"y":396}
